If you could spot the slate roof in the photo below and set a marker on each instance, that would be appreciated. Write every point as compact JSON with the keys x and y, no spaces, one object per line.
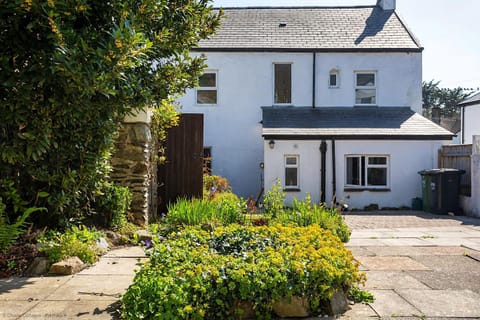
{"x":364,"y":28}
{"x":475,"y":99}
{"x":400,"y":123}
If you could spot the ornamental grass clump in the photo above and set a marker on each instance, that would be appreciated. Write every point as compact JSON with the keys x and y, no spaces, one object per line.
{"x":198,"y":274}
{"x":305,"y":213}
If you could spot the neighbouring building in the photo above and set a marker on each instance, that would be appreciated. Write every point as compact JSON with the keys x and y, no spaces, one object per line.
{"x":470,"y":118}
{"x":325,"y":99}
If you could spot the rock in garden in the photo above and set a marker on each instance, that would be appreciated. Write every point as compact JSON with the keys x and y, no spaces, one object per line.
{"x":115,"y":238}
{"x":102,"y":244}
{"x":67,"y":266}
{"x":294,"y":307}
{"x":337,"y":304}
{"x":144,"y":235}
{"x":38,"y":267}
{"x":243,"y":310}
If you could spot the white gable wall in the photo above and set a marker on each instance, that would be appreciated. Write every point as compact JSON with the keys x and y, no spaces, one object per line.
{"x":471,"y":122}
{"x":245,"y":84}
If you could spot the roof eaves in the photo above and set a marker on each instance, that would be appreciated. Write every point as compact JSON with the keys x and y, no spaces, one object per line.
{"x":339,"y":50}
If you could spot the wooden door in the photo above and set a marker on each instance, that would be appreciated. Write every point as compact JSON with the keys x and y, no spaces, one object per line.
{"x":182,"y":173}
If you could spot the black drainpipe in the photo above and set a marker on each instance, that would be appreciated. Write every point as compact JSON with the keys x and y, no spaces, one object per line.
{"x":313,"y":79}
{"x":334,"y":174}
{"x":323,"y":156}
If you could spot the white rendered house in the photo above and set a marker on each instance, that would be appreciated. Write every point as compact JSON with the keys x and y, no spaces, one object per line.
{"x":470,"y":118}
{"x":325,"y":99}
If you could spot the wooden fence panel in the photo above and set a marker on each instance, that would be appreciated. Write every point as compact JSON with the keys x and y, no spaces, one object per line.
{"x":458,"y":157}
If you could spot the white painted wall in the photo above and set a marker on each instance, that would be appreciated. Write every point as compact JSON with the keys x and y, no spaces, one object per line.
{"x":471,"y":122}
{"x":245,"y":84}
{"x":406,"y":159}
{"x":471,"y":205}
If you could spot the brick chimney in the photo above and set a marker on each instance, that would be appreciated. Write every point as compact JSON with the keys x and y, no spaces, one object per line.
{"x":386,"y":4}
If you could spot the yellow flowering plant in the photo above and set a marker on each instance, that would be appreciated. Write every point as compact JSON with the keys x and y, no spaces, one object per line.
{"x":199,"y":274}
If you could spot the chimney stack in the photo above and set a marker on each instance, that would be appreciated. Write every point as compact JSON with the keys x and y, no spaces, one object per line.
{"x":386,"y":4}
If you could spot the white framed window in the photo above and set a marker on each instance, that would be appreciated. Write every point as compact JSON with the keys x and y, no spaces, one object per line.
{"x":291,"y":172}
{"x":282,"y":83}
{"x":371,"y":171}
{"x":207,"y":88}
{"x":365,"y":88}
{"x":333,"y":79}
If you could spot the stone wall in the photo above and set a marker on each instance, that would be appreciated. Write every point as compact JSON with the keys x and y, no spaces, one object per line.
{"x":133,"y":167}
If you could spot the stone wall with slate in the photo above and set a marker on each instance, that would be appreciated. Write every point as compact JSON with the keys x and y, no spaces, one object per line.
{"x":133,"y":166}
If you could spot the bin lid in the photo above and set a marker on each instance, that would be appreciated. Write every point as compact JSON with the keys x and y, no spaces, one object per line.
{"x":441,"y":171}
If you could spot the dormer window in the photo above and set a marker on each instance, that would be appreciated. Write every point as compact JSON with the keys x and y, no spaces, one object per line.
{"x":365,"y":88}
{"x":333,"y":79}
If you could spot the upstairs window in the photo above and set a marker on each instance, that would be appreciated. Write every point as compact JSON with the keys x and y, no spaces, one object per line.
{"x":282,"y":83}
{"x":291,"y":172}
{"x":365,"y":88}
{"x":207,"y":88}
{"x":367,"y":171}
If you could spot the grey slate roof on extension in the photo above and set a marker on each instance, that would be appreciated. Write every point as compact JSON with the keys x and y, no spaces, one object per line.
{"x":366,"y":28}
{"x":391,"y":123}
{"x":475,"y":99}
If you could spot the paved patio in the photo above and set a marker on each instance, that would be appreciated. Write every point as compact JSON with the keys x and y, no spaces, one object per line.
{"x":418,"y":265}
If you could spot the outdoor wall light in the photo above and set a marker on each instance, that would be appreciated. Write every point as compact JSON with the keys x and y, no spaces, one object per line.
{"x":271,"y":144}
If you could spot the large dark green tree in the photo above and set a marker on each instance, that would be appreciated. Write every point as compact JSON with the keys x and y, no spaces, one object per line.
{"x":447,"y":99}
{"x":70,"y":70}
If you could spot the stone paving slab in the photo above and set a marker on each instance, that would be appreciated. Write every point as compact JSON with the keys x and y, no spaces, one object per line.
{"x":454,"y":264}
{"x":448,"y":280}
{"x":115,"y":266}
{"x":389,"y":303}
{"x":413,"y":251}
{"x":14,"y":309}
{"x":404,"y":242}
{"x":392,"y":280}
{"x":24,"y":289}
{"x":444,"y":303}
{"x":98,"y":310}
{"x":391,"y":263}
{"x":354,"y":242}
{"x":126,"y":252}
{"x":93,"y":287}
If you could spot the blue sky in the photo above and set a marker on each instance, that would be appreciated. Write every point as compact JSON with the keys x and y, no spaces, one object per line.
{"x":449,"y":30}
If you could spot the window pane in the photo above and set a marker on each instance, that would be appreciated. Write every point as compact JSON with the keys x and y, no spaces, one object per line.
{"x":291,"y":161}
{"x":353,"y":170}
{"x":206,"y":96}
{"x":365,"y":79}
{"x":377,"y":160}
{"x":377,"y":176}
{"x":291,"y":177}
{"x":207,"y":80}
{"x":283,"y":83}
{"x":365,"y":96}
{"x":333,"y":80}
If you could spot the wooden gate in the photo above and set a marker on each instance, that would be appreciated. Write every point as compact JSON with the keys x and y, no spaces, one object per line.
{"x":182,"y":173}
{"x":458,"y":156}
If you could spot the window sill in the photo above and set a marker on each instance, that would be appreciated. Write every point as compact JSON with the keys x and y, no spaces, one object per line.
{"x":291,"y":190}
{"x":367,"y":189}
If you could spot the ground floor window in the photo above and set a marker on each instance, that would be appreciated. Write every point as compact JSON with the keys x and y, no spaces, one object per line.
{"x":291,"y":171}
{"x":367,"y":171}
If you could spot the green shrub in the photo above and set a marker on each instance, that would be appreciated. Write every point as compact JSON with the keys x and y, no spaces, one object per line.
{"x":229,"y":208}
{"x":273,"y":201}
{"x":114,"y":203}
{"x":76,"y":241}
{"x":198,"y":274}
{"x":305,"y":213}
{"x":213,"y":185}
